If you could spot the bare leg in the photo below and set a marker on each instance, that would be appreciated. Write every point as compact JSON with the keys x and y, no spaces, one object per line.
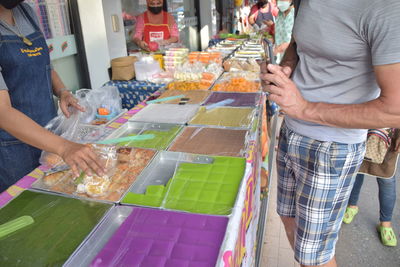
{"x":331,"y":263}
{"x":290,"y":228}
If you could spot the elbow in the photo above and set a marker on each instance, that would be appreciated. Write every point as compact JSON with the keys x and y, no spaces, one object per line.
{"x":390,"y":112}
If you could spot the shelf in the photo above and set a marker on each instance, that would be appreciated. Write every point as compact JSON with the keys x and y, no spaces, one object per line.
{"x":62,"y":46}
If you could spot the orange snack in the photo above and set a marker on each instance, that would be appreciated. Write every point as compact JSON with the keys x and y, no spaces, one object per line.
{"x":238,"y":84}
{"x":103,"y":111}
{"x":189,"y":86}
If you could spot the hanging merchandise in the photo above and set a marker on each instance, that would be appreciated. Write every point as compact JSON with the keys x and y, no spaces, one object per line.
{"x":238,"y":3}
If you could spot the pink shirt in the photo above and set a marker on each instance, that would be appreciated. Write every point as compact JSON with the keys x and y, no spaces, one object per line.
{"x":174,"y":32}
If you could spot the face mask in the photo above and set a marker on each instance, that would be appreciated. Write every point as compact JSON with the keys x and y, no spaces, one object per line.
{"x":283,"y":6}
{"x":10,"y":4}
{"x":155,"y":9}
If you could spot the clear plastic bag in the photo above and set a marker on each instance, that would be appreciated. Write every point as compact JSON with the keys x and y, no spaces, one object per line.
{"x":76,"y":128}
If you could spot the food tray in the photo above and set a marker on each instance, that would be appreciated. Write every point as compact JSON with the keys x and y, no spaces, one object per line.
{"x":162,"y":168}
{"x":60,"y":225}
{"x":204,"y":188}
{"x":240,"y":99}
{"x":147,"y":237}
{"x":164,"y":134}
{"x":195,"y":97}
{"x":230,"y":117}
{"x":130,"y":163}
{"x":166,"y":113}
{"x":212,"y":141}
{"x":93,"y":245}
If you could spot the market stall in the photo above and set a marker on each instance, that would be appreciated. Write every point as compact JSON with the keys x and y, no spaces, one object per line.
{"x":182,"y":186}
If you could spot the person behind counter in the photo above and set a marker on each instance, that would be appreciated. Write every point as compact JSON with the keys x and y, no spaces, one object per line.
{"x":27,"y":85}
{"x":155,"y":25}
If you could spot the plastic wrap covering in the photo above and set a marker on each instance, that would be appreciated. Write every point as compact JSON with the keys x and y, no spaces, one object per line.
{"x":59,"y":226}
{"x":211,"y":141}
{"x":101,"y":105}
{"x":166,"y":113}
{"x":161,"y":135}
{"x":147,"y":237}
{"x":122,"y":165}
{"x":240,"y":99}
{"x":195,"y":76}
{"x":189,"y":97}
{"x":224,"y":116}
{"x":236,"y":64}
{"x":199,"y":184}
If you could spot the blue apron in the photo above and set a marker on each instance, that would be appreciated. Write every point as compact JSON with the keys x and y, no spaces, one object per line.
{"x":27,"y":73}
{"x":261,"y":17}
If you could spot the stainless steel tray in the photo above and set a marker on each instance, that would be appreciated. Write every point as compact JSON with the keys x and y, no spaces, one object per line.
{"x":166,"y":113}
{"x":95,"y":242}
{"x":162,"y":169}
{"x":40,"y":185}
{"x":254,"y":115}
{"x":132,"y":127}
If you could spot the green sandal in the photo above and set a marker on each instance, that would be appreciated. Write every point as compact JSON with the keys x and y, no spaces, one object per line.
{"x":388,"y":237}
{"x":349,"y":215}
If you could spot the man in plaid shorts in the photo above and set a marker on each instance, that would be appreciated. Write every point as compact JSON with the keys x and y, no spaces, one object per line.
{"x":345,"y":57}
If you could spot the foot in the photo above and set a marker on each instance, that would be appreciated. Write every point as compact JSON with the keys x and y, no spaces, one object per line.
{"x":351,"y":212}
{"x":387,"y":236}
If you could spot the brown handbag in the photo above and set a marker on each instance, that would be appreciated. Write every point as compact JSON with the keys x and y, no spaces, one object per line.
{"x":123,"y":68}
{"x":378,"y":144}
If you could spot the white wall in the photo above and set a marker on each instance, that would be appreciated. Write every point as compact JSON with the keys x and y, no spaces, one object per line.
{"x":116,"y":40}
{"x":208,"y":21}
{"x":95,"y":40}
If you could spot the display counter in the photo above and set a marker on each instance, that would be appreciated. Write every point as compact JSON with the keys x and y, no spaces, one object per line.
{"x":196,"y":202}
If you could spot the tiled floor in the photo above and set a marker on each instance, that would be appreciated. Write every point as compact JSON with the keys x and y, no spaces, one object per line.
{"x":276,"y":250}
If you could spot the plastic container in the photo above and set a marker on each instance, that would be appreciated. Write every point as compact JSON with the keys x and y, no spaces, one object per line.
{"x":146,"y":69}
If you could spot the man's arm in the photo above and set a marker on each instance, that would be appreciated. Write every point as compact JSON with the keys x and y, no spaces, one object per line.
{"x":290,"y":58}
{"x":379,"y":113}
{"x":77,"y":156}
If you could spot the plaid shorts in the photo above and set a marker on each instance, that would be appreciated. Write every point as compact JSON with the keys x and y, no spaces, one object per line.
{"x":315,"y":180}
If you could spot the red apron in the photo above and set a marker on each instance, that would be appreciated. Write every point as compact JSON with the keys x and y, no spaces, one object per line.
{"x":156,"y":32}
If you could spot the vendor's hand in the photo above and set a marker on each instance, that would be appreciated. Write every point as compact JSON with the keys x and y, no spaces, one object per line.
{"x":144,"y":46}
{"x":283,"y":91}
{"x":68,"y":100}
{"x":81,"y":158}
{"x":163,"y":42}
{"x":269,"y":22}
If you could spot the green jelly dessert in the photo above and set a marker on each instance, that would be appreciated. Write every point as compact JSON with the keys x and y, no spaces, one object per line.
{"x":59,"y":226}
{"x":197,"y":188}
{"x":153,"y":197}
{"x":161,"y":140}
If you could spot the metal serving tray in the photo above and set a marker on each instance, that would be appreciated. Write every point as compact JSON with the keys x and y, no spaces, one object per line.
{"x":95,"y":242}
{"x":254,"y":114}
{"x":132,"y":127}
{"x":162,"y":169}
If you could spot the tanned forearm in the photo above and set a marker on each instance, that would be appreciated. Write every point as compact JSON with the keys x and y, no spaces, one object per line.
{"x":57,"y":84}
{"x":290,"y":58}
{"x":26,"y":130}
{"x":379,"y":113}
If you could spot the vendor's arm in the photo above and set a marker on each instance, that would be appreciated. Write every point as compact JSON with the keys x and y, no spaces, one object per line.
{"x":252,"y":18}
{"x":139,"y":32}
{"x":77,"y":156}
{"x":66,"y":98}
